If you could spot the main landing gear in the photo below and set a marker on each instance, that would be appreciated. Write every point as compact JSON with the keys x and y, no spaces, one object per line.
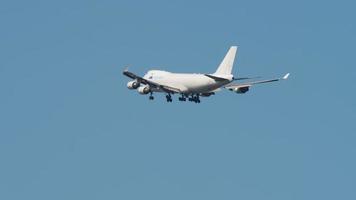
{"x":169,"y":98}
{"x":182,"y":98}
{"x":194,"y":98}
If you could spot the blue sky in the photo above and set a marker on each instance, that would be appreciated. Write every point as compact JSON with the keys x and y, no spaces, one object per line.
{"x":71,"y":130}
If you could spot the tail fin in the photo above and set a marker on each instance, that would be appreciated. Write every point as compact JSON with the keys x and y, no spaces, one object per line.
{"x":225,"y":67}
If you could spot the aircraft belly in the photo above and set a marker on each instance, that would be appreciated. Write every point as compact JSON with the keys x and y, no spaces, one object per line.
{"x":189,"y":84}
{"x":203,"y":88}
{"x":202,"y":85}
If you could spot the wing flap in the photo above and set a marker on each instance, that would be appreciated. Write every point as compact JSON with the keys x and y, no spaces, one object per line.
{"x":249,"y":84}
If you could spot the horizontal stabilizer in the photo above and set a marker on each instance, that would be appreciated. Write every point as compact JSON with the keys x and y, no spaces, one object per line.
{"x":217,"y":78}
{"x":285,"y":77}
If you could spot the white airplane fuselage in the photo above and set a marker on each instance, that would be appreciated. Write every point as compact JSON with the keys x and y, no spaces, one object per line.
{"x":192,"y":86}
{"x":187,"y":83}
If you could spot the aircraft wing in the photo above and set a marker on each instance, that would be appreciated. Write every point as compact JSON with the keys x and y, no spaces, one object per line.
{"x":152,"y":84}
{"x":246,"y":85}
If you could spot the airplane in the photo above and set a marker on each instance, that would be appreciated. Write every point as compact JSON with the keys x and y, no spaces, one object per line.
{"x":193,"y":86}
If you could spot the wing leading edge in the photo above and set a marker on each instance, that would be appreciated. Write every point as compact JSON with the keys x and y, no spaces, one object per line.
{"x":152,"y":84}
{"x":234,"y":86}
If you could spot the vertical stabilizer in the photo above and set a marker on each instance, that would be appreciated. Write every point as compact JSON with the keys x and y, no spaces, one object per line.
{"x":225,"y":67}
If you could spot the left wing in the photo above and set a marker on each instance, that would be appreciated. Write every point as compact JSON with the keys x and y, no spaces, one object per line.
{"x":244,"y":87}
{"x":152,"y":84}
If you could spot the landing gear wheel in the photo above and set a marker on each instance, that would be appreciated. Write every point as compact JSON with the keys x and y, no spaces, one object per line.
{"x":151,"y":98}
{"x":169,"y":98}
{"x":196,"y":99}
{"x":181,"y":99}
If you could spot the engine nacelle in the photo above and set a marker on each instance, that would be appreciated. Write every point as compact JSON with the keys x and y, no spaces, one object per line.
{"x":207,"y":94}
{"x":144,"y":90}
{"x":241,"y":90}
{"x":132,"y":85}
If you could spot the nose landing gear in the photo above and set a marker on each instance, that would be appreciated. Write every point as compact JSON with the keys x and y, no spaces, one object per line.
{"x":151,"y":96}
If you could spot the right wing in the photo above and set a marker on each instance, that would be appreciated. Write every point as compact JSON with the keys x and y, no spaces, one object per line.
{"x":152,"y":84}
{"x":243,"y":87}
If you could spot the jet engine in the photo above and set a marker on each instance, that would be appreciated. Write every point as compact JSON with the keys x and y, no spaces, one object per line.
{"x":207,"y":94}
{"x":241,"y":90}
{"x":144,"y":90}
{"x":132,"y":85}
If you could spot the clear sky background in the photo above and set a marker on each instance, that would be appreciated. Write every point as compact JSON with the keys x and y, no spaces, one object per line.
{"x":70,"y":129}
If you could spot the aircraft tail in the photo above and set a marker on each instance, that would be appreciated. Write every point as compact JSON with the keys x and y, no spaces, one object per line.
{"x":225,"y":67}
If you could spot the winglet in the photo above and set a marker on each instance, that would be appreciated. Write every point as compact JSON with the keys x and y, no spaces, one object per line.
{"x":285,"y":77}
